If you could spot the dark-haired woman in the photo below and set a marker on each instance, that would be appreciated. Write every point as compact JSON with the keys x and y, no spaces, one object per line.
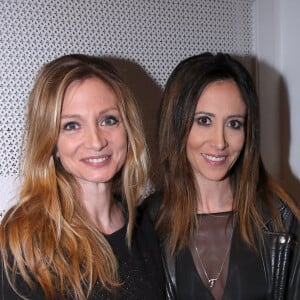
{"x":229,"y":230}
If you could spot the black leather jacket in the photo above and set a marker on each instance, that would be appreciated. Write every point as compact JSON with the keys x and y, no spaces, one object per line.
{"x":280,"y":255}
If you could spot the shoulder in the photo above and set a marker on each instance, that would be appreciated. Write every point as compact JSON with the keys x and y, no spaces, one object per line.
{"x":144,"y":235}
{"x":151,"y":204}
{"x":285,"y":212}
{"x":146,"y":215}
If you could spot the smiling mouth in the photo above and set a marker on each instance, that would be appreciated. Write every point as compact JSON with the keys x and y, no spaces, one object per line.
{"x":214,"y":158}
{"x":97,"y":160}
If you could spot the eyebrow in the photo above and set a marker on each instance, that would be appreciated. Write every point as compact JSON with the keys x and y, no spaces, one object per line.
{"x":103,"y":112}
{"x":213,"y":115}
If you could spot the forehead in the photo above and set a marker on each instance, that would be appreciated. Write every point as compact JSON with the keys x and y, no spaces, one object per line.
{"x":89,"y":90}
{"x":220,"y":95}
{"x":88,"y":83}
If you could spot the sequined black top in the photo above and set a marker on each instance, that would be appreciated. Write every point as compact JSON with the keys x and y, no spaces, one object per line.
{"x":140,"y":268}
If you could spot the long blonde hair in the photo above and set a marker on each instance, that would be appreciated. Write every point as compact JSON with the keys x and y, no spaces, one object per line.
{"x":46,"y":233}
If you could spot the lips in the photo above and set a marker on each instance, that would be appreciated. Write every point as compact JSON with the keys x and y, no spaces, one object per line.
{"x":214,"y":158}
{"x":96,"y":160}
{"x":99,"y":160}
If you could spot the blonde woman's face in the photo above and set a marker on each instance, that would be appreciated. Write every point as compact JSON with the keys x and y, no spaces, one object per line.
{"x":92,"y":143}
{"x":217,"y":135}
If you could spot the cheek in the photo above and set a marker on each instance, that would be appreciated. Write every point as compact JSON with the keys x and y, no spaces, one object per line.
{"x":196,"y":139}
{"x":192,"y":139}
{"x":122,"y":147}
{"x":238,"y":143}
{"x":192,"y":148}
{"x":122,"y":144}
{"x":64,"y":147}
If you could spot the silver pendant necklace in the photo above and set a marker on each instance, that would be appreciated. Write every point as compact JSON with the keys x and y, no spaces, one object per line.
{"x":212,"y":281}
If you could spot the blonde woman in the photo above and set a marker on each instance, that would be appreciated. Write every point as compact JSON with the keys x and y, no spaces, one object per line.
{"x":77,"y":232}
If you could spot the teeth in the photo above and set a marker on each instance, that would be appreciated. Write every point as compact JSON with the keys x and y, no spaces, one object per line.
{"x":96,"y":160}
{"x":214,"y":158}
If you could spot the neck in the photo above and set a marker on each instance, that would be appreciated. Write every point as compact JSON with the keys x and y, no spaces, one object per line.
{"x":102,"y":208}
{"x":215,"y":196}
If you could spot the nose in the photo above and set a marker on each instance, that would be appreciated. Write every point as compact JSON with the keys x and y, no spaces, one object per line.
{"x":219,"y":140}
{"x":96,"y":139}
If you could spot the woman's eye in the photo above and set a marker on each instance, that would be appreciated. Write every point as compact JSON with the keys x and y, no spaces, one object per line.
{"x":203,"y":120}
{"x":235,"y":124}
{"x":71,"y":126}
{"x":109,"y":121}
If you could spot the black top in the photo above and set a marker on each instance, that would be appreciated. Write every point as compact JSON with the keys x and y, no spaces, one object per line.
{"x":210,"y":245}
{"x":242,"y":260}
{"x":140,"y":268}
{"x":270,"y":273}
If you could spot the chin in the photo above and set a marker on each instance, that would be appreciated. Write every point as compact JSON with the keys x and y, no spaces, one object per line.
{"x":97,"y":179}
{"x":216,"y":177}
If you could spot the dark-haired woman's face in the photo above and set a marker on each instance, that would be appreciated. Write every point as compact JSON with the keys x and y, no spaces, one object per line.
{"x":217,"y":135}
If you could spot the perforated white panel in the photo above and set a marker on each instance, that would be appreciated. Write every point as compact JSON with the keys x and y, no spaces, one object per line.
{"x":154,"y":34}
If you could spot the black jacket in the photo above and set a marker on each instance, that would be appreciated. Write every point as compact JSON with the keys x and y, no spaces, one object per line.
{"x":280,"y":254}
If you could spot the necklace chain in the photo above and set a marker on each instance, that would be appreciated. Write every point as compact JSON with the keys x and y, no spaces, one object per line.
{"x":212,"y":281}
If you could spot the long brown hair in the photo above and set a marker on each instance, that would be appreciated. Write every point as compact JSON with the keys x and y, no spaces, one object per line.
{"x":47,"y":233}
{"x":251,"y":184}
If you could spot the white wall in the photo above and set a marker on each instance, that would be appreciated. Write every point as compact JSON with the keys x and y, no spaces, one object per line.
{"x":277,"y":48}
{"x":267,"y":53}
{"x":147,"y":39}
{"x":290,"y":68}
